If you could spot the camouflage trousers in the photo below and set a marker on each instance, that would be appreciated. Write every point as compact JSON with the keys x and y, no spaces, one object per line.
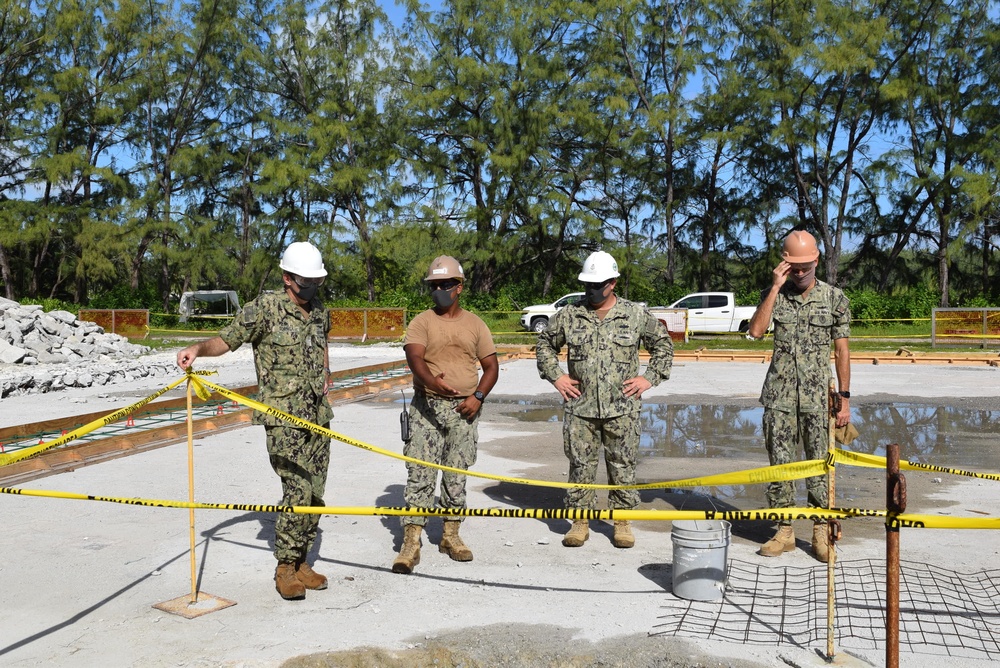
{"x":782,"y":434}
{"x":439,"y":434}
{"x":301,"y":459}
{"x":583,"y":439}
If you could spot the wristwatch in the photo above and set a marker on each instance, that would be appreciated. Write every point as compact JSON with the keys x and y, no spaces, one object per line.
{"x":479,"y":395}
{"x":845,"y":394}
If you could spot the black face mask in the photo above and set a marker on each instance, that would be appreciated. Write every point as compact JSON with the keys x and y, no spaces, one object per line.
{"x":305,"y":293}
{"x":596,"y":293}
{"x":443,"y":299}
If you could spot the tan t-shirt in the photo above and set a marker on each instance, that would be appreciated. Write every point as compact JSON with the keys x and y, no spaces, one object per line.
{"x":453,"y":346}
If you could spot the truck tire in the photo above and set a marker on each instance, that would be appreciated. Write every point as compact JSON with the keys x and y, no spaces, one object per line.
{"x":744,"y":327}
{"x":539,"y":325}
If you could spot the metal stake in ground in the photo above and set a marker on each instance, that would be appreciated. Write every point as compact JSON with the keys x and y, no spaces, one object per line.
{"x":831,"y":560}
{"x":895,"y":503}
{"x":193,"y":605}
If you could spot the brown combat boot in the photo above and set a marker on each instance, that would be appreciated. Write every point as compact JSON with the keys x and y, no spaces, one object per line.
{"x":577,"y":534}
{"x":409,"y":554}
{"x":452,"y":544}
{"x":309,"y":578}
{"x":821,"y":541}
{"x":623,"y":534}
{"x":287,"y":584}
{"x":783,"y":541}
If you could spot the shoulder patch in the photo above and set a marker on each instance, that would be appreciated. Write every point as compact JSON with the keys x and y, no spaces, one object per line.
{"x":249,"y":314}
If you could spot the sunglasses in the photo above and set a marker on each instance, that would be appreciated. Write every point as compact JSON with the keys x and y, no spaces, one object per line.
{"x":597,"y":286}
{"x":445,"y":285}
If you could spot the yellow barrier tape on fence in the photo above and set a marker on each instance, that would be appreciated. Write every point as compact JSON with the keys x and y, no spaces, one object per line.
{"x":904,"y":520}
{"x":917,"y":521}
{"x":793,"y":471}
{"x":811,"y":514}
{"x":877,"y":462}
{"x":12,"y":457}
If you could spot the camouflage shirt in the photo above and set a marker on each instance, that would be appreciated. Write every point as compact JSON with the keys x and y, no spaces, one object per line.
{"x":289,"y":350}
{"x":799,"y":376}
{"x":603,"y":354}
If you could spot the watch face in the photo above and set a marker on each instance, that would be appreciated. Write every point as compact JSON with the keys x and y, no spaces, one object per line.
{"x":479,"y":395}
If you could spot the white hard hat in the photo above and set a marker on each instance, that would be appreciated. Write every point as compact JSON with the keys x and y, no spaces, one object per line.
{"x":303,"y":259}
{"x":599,"y":267}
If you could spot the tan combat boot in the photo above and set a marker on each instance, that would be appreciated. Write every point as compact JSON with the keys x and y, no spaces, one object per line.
{"x":409,"y":554}
{"x":623,"y":534}
{"x":821,"y":541}
{"x":452,"y":544}
{"x":783,"y":541}
{"x":309,"y":578}
{"x":286,"y":583}
{"x":577,"y":534}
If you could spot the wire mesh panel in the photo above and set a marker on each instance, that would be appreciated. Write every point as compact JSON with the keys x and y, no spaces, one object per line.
{"x":941,"y":611}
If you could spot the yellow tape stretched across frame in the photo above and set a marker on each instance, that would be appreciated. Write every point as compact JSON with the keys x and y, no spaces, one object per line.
{"x":905,"y":520}
{"x":793,"y":471}
{"x":110,"y":418}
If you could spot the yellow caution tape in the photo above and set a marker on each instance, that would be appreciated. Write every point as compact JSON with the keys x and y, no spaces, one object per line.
{"x":110,"y":418}
{"x":877,"y":462}
{"x":811,"y":514}
{"x":916,"y":521}
{"x":903,"y":520}
{"x":793,"y":471}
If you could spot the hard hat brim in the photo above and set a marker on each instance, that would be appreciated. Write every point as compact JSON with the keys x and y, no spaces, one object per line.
{"x":597,"y":278}
{"x":305,"y":273}
{"x":799,"y":259}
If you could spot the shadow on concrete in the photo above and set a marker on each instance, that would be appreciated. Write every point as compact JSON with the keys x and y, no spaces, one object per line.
{"x":393,"y":497}
{"x":531,"y":496}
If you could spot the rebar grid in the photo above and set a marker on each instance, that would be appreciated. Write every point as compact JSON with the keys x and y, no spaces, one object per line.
{"x":941,"y":611}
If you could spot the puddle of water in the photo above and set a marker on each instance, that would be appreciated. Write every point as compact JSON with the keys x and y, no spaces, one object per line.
{"x":942,"y":435}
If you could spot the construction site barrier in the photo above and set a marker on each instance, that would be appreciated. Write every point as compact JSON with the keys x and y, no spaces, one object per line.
{"x":761,"y":475}
{"x":894,"y":516}
{"x":132,"y":323}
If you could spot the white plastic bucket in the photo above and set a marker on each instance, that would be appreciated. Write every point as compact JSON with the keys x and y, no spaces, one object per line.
{"x":700,"y":563}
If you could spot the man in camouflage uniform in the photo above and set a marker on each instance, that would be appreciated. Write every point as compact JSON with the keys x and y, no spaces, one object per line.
{"x":288,"y":331}
{"x":443,"y":346}
{"x":808,"y":315}
{"x":603,"y":388}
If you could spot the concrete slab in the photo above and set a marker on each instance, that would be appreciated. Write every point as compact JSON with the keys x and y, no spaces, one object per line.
{"x":79,"y":579}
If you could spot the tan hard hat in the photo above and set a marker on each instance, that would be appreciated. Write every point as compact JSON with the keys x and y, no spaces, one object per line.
{"x":800,"y":247}
{"x":444,"y":267}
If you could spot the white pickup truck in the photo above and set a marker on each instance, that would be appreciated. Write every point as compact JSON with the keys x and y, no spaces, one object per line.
{"x":536,"y":318}
{"x":714,"y":312}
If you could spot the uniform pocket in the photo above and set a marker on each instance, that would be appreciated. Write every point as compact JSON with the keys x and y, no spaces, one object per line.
{"x":821,"y":320}
{"x":577,"y":344}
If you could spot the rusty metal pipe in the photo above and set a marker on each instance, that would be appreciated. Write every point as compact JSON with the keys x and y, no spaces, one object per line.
{"x":895,"y":503}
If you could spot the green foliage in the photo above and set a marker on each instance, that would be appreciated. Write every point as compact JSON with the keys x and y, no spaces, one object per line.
{"x":121,"y":296}
{"x":178,"y":146}
{"x":917,"y":302}
{"x":52,"y":305}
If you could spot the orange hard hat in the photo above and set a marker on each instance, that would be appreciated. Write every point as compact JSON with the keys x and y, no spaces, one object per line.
{"x":800,"y":247}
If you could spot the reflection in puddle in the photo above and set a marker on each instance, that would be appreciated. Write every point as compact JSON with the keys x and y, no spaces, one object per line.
{"x":943,"y":435}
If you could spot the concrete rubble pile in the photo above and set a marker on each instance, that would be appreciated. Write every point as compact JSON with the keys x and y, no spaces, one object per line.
{"x":44,"y":352}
